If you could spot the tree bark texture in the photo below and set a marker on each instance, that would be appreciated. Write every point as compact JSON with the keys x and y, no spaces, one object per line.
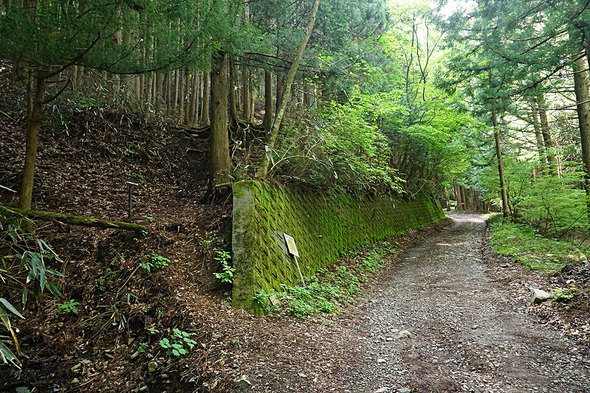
{"x":220,"y":161}
{"x":503,"y":190}
{"x":548,"y":140}
{"x":72,"y":220}
{"x":581,"y":87}
{"x":36,"y":94}
{"x":267,"y":121}
{"x":205,"y":100}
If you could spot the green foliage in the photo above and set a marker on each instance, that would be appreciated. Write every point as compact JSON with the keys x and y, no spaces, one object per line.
{"x":142,"y":347}
{"x":23,"y":270}
{"x":70,"y":306}
{"x":262,"y":301}
{"x":554,"y":206}
{"x":227,"y":275}
{"x":59,"y":34}
{"x":530,"y":248}
{"x":154,"y":262}
{"x":565,"y":295}
{"x":179,"y":343}
{"x":328,"y":290}
{"x":107,"y":276}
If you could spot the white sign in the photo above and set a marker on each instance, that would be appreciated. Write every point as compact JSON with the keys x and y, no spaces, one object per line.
{"x":291,"y":245}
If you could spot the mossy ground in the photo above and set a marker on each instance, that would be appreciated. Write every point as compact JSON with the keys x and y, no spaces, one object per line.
{"x":528,"y":247}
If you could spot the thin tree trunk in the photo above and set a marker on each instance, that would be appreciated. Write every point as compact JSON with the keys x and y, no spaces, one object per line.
{"x":546,"y":132}
{"x":197,"y":102}
{"x":464,"y":198}
{"x":539,"y":137}
{"x":159,"y":97}
{"x":187,"y":100}
{"x":233,"y":115}
{"x":266,"y":122}
{"x":503,"y":190}
{"x":220,"y":161}
{"x":205,"y":103}
{"x":246,"y":92}
{"x":35,"y":112}
{"x":272,"y":138}
{"x":581,"y":87}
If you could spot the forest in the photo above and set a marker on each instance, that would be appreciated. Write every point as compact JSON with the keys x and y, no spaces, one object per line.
{"x":124,"y":124}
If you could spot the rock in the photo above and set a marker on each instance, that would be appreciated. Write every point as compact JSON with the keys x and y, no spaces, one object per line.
{"x":152,"y":366}
{"x":243,"y":382}
{"x":404,"y":334}
{"x":538,"y":295}
{"x":505,"y":265}
{"x":382,"y":390}
{"x":302,"y":375}
{"x":381,"y":360}
{"x":404,"y":390}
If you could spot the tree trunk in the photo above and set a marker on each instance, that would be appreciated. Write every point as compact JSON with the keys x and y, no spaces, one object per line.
{"x":546,"y":132}
{"x":282,"y":106}
{"x":159,"y":96}
{"x":35,"y":111}
{"x":220,"y":161}
{"x":539,"y":137}
{"x":266,"y":122}
{"x":503,"y":190}
{"x":72,"y":220}
{"x":464,"y":198}
{"x":581,"y":87}
{"x":246,"y":93}
{"x":233,"y":112}
{"x":205,"y":102}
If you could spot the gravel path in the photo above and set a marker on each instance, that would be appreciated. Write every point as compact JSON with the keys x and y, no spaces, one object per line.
{"x":441,"y":323}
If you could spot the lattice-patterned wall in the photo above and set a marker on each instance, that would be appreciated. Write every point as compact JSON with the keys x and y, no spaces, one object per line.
{"x":323,"y":228}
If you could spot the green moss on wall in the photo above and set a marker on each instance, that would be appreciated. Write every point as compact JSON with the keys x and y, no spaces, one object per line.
{"x":323,"y":227}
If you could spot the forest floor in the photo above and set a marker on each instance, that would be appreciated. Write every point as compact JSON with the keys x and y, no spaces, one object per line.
{"x":445,"y":316}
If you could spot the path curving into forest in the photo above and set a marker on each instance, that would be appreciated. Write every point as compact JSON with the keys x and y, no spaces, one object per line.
{"x":439,"y":318}
{"x":441,"y":323}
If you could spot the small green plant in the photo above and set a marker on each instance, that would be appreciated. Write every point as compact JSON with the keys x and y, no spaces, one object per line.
{"x":71,"y":306}
{"x":262,"y":301}
{"x":150,"y":219}
{"x":207,"y":242}
{"x":179,"y":343}
{"x":142,"y":347}
{"x":153,"y":330}
{"x":108,"y":276}
{"x":227,"y":275}
{"x":372,"y":261}
{"x":564,"y":295}
{"x":23,"y":270}
{"x":154,"y":262}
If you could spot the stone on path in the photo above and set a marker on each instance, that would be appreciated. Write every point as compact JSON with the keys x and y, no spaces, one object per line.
{"x":243,"y":382}
{"x":538,"y":295}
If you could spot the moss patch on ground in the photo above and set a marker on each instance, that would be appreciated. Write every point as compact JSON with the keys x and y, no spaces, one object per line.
{"x":528,"y":247}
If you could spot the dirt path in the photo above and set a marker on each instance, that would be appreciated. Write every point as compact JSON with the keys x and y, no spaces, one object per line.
{"x":441,"y":323}
{"x":440,"y":319}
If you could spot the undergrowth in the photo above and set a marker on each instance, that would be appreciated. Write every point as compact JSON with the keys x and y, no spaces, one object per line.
{"x":528,"y":247}
{"x":328,"y":290}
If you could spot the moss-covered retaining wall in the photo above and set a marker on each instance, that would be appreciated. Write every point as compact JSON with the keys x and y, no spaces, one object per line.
{"x":323,"y":228}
